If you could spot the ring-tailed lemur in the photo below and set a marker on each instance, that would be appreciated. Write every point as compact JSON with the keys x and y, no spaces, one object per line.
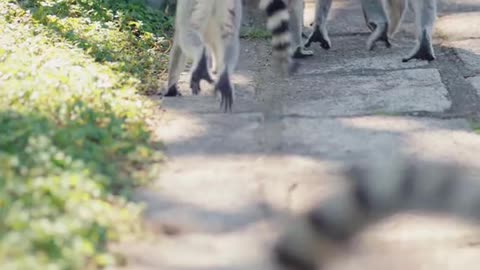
{"x":376,"y":193}
{"x":206,"y":28}
{"x":383,"y":17}
{"x":373,"y":12}
{"x":425,"y":12}
{"x":296,"y":9}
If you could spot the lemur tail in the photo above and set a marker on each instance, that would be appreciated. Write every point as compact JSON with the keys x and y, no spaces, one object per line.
{"x":278,"y":24}
{"x":396,"y":10}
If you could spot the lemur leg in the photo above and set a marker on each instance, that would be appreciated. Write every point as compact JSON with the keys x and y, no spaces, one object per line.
{"x":176,"y":66}
{"x":232,"y":52}
{"x":212,"y":65}
{"x":425,"y":16}
{"x":320,"y":33}
{"x":200,"y":72}
{"x":224,"y":40}
{"x":296,"y":10}
{"x":377,"y":21}
{"x":369,"y":25}
{"x":194,"y":18}
{"x":396,"y":10}
{"x":193,"y":45}
{"x":190,"y":24}
{"x":224,"y":85}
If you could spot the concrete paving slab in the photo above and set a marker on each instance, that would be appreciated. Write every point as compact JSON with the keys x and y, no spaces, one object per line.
{"x":469,"y":52}
{"x":338,"y":140}
{"x":199,"y":252}
{"x":180,"y":199}
{"x":457,"y":6}
{"x":475,"y":81}
{"x":381,"y":92}
{"x":210,"y":134}
{"x":347,"y":139}
{"x":377,"y":60}
{"x":242,"y":250}
{"x":459,"y":26}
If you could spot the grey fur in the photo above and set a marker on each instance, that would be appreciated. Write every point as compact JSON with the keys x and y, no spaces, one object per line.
{"x":210,"y":30}
{"x":320,"y":32}
{"x":202,"y":24}
{"x":425,"y":16}
{"x":377,"y":21}
{"x":383,"y":18}
{"x":296,"y":8}
{"x":378,"y":190}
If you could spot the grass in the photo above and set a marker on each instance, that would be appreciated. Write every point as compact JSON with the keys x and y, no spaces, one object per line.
{"x":74,"y":140}
{"x":123,"y":34}
{"x":253,"y":33}
{"x":474,"y":124}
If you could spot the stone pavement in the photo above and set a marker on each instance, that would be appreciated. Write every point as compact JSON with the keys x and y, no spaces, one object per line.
{"x":229,"y":177}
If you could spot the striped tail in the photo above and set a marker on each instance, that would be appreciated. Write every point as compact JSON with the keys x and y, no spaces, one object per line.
{"x":278,"y":19}
{"x":376,"y":192}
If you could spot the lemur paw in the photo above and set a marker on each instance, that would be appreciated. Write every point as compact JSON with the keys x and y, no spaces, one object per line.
{"x":302,"y":53}
{"x":173,"y":92}
{"x":320,"y":37}
{"x":424,"y":51}
{"x":380,"y":33}
{"x":226,"y":91}
{"x":200,"y":73}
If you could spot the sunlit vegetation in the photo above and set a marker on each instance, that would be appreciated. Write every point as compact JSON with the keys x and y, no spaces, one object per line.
{"x":73,"y":135}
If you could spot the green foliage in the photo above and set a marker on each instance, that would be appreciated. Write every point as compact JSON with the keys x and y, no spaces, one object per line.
{"x":127,"y":34}
{"x":73,"y":137}
{"x":255,"y":33}
{"x":474,"y":124}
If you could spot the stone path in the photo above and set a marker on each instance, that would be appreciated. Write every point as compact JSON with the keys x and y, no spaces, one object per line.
{"x":216,"y":205}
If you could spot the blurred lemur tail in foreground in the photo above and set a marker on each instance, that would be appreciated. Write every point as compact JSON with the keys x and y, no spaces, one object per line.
{"x":376,"y":191}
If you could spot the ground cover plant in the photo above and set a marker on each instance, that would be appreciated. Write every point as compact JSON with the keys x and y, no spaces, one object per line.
{"x":73,"y":135}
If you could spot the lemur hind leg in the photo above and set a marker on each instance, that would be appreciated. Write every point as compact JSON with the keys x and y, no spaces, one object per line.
{"x":200,"y":73}
{"x":377,"y":22}
{"x":425,"y":15}
{"x":320,"y":32}
{"x":176,"y":66}
{"x":190,"y":24}
{"x":296,"y":10}
{"x":192,"y":42}
{"x":396,"y":10}
{"x":224,"y":84}
{"x":369,"y":25}
{"x":224,"y":40}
